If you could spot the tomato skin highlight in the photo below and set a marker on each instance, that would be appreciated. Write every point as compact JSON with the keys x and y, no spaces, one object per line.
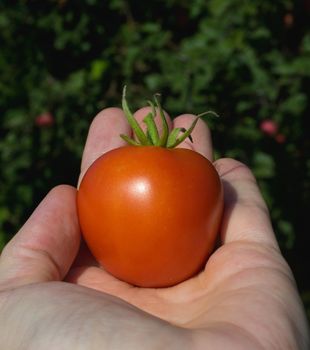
{"x":150,"y":215}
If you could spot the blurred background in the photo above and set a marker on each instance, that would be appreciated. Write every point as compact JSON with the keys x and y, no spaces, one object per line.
{"x":63,"y":61}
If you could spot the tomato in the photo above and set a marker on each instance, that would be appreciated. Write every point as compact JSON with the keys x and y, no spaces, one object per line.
{"x":150,"y":214}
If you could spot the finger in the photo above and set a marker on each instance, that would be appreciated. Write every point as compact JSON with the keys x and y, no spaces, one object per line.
{"x":45,"y":247}
{"x":201,"y":136}
{"x":141,"y":113}
{"x":104,"y":135}
{"x":246,"y":216}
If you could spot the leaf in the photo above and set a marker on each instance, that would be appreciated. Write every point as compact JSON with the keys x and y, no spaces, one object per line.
{"x":98,"y":68}
{"x":263,"y":165}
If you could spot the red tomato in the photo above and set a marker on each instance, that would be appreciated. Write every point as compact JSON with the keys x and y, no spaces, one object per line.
{"x":150,"y":215}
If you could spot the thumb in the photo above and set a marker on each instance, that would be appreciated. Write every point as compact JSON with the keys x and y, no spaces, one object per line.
{"x":45,"y":247}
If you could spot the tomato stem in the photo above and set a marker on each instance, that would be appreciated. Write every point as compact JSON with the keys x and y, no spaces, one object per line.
{"x":132,"y":121}
{"x":152,"y":131}
{"x":165,"y":132}
{"x":151,"y":136}
{"x":174,"y":141}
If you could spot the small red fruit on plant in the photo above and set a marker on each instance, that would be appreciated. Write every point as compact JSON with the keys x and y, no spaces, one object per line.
{"x":44,"y":120}
{"x":149,"y":212}
{"x":288,"y":20}
{"x":269,"y":127}
{"x":280,"y":138}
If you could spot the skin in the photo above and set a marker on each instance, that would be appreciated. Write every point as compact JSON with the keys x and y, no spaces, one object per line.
{"x":53,"y":294}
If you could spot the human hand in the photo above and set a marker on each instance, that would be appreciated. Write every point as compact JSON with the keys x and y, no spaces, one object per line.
{"x":246,"y":294}
{"x":219,"y":307}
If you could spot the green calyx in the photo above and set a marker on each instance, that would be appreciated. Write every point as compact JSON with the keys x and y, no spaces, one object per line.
{"x":151,"y":137}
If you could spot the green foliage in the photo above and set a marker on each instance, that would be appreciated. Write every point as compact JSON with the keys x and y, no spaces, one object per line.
{"x":247,"y":60}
